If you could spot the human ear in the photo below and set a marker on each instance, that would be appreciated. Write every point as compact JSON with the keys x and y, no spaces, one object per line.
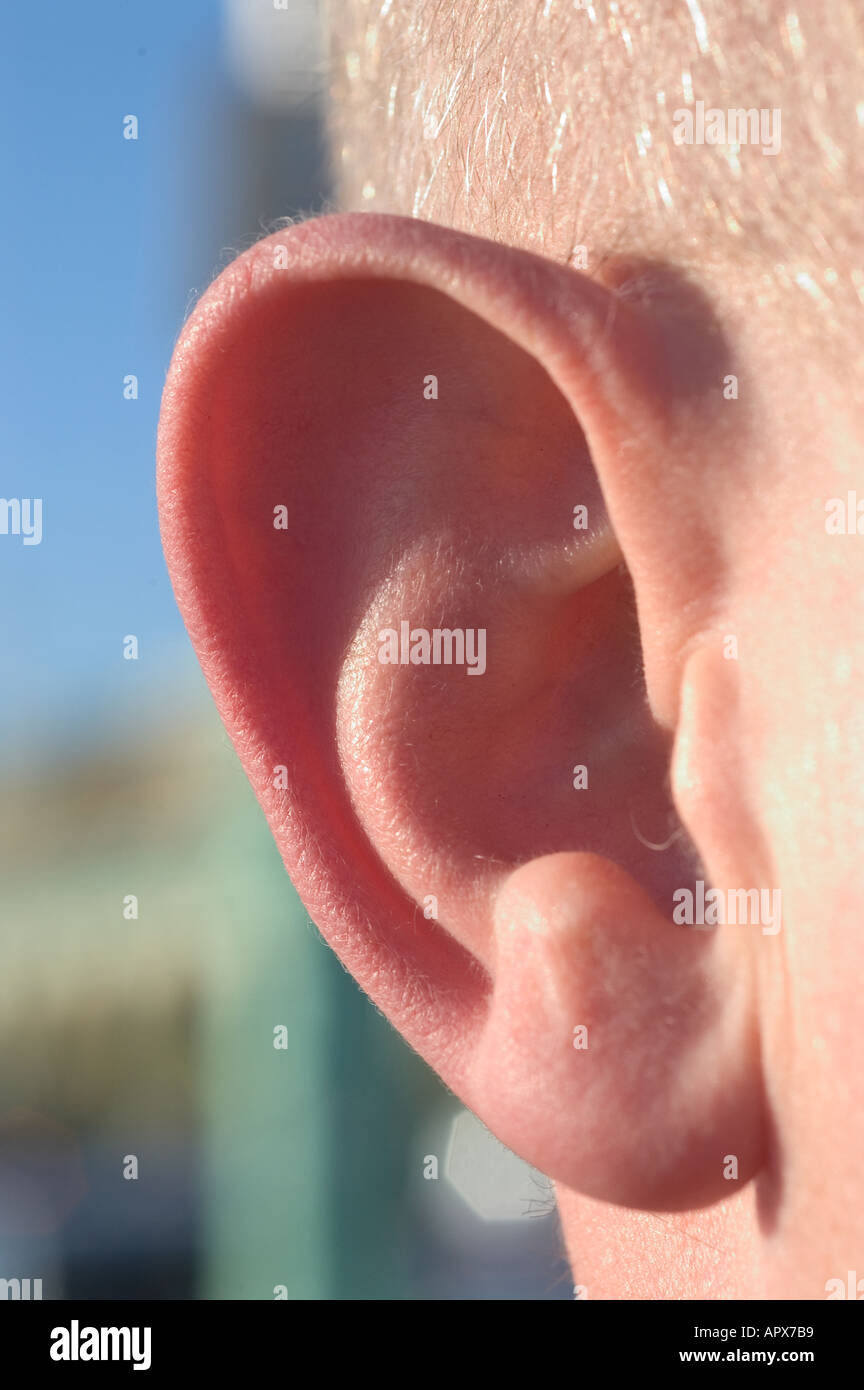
{"x":379,"y":440}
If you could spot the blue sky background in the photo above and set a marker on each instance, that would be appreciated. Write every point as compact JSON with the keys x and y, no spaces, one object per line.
{"x":105,"y":244}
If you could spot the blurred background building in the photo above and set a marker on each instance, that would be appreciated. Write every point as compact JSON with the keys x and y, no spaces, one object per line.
{"x":153,"y":1141}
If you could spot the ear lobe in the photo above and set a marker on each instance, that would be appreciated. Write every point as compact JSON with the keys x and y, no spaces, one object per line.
{"x":620,"y":1054}
{"x":314,"y":494}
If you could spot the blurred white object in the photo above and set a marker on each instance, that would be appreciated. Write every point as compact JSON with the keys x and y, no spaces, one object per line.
{"x":496,"y":1185}
{"x":276,"y":55}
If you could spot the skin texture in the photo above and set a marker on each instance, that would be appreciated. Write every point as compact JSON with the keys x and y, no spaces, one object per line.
{"x":550,"y":126}
{"x":298,"y":382}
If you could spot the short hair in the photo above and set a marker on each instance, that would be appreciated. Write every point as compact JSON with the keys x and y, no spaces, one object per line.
{"x":551,"y":125}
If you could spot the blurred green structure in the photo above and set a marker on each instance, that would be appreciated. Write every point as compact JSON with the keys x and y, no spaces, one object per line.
{"x":153,"y":1036}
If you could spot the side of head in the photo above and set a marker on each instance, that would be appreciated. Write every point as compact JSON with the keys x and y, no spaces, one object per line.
{"x":513,"y":584}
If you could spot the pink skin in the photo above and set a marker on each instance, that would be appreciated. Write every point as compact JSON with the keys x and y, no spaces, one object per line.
{"x":299,"y":382}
